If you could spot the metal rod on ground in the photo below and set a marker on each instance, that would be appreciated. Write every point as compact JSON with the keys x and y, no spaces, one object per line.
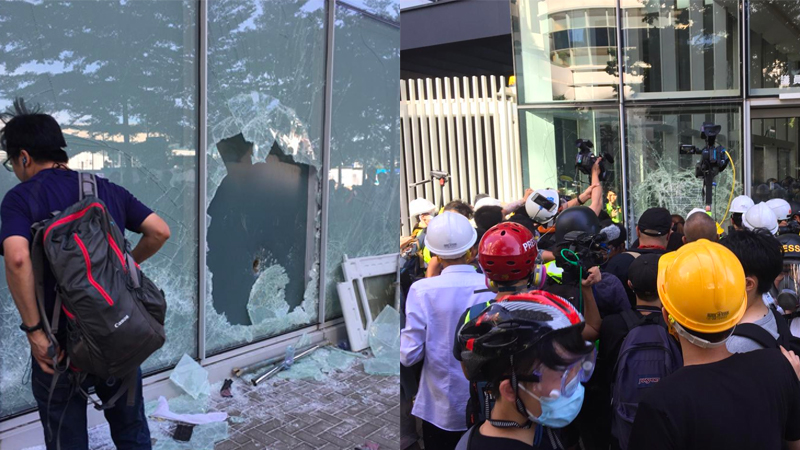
{"x":240,"y":371}
{"x":272,"y":372}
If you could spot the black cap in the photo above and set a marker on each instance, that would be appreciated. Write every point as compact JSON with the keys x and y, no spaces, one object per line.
{"x":643,"y":274}
{"x":655,"y":222}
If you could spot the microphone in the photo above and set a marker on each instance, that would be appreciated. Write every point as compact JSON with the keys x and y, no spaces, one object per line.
{"x":608,"y":233}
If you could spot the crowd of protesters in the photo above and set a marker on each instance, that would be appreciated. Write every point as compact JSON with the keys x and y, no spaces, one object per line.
{"x":533,"y":324}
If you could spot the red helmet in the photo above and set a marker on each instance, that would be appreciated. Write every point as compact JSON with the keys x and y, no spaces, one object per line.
{"x":508,"y":252}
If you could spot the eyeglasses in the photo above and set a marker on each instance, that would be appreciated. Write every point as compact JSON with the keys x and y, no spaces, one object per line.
{"x":7,"y":163}
{"x":564,"y":380}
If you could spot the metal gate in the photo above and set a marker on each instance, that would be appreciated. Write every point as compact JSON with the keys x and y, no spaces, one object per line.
{"x":465,"y":127}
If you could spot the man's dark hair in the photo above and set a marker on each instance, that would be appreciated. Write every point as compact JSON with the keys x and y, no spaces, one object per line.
{"x":761,"y":256}
{"x":34,"y":132}
{"x":521,"y":217}
{"x":488,"y":216}
{"x":460,"y":207}
{"x":736,"y":218}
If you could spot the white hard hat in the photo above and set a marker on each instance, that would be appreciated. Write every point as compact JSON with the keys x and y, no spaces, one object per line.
{"x":781,"y":208}
{"x":420,"y":206}
{"x":450,"y":235}
{"x":741,"y":204}
{"x":536,"y":211}
{"x":760,"y":216}
{"x":487,"y":201}
{"x":696,"y":210}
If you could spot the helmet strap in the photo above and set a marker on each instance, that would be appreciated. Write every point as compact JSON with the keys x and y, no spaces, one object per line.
{"x":518,"y":402}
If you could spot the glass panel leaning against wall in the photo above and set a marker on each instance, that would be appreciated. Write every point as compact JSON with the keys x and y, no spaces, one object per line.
{"x":121,"y":79}
{"x":266,"y":78}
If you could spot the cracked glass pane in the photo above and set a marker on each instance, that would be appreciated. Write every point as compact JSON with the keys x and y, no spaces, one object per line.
{"x":661,"y":176}
{"x":364,"y":200}
{"x":121,"y":79}
{"x":266,"y":79}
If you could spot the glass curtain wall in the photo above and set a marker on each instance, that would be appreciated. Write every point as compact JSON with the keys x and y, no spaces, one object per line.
{"x":121,"y":79}
{"x":680,"y":62}
{"x":776,"y":167}
{"x":363,"y":200}
{"x":774,"y":47}
{"x":548,"y":138}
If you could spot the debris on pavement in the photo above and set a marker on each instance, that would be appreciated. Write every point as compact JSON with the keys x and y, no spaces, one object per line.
{"x":384,"y":340}
{"x":286,"y":364}
{"x":226,"y":388}
{"x":183,"y":432}
{"x":162,"y":412}
{"x":191,"y":377}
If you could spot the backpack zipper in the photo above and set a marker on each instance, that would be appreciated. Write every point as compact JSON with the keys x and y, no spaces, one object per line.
{"x":89,"y":270}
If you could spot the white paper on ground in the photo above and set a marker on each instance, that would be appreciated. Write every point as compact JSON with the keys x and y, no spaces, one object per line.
{"x":162,"y":411}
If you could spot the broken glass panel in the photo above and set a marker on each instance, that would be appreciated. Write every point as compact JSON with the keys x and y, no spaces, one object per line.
{"x":266,"y":73}
{"x":364,"y":196}
{"x":661,"y":176}
{"x":121,"y":79}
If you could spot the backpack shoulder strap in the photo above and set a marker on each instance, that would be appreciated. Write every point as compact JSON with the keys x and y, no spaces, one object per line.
{"x":755,"y":333}
{"x":88,"y":185}
{"x":466,"y":439}
{"x":630,"y":318}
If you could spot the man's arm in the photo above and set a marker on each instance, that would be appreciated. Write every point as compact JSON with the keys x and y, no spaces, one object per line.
{"x":590,"y":312}
{"x":19,"y":274}
{"x":155,"y":233}
{"x":412,"y":338}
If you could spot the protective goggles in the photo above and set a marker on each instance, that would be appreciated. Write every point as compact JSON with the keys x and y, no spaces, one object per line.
{"x":563,"y":381}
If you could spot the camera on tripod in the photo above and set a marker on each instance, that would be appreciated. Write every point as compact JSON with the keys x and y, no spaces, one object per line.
{"x":586,"y":159}
{"x":713,"y":159}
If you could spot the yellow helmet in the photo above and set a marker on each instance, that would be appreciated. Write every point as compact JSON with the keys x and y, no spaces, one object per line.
{"x":702,"y":287}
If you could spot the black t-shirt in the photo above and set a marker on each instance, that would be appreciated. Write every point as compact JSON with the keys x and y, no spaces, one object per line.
{"x":620,"y":264}
{"x":547,"y":441}
{"x":746,"y":401}
{"x":612,"y":332}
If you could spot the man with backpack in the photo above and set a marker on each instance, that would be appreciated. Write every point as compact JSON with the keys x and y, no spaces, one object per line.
{"x":718,"y":400}
{"x":47,"y":194}
{"x":761,"y":256}
{"x":653,"y":232}
{"x":636,"y":351}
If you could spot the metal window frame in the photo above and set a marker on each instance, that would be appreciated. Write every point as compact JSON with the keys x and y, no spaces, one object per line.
{"x":326,"y":157}
{"x":202,"y":179}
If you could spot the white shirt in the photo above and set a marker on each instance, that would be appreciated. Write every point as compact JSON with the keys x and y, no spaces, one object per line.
{"x":433,"y":308}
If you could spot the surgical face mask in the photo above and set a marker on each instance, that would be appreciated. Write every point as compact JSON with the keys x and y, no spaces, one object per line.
{"x":558,"y":410}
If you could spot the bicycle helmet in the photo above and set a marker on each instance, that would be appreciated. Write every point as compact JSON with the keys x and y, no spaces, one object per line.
{"x":508,"y":252}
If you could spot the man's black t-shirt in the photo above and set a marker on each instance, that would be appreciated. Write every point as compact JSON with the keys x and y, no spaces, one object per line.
{"x":746,"y":401}
{"x":547,"y":441}
{"x":620,"y":264}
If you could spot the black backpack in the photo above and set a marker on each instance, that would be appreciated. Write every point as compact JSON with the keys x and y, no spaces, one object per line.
{"x":765,"y":339}
{"x":115,"y":314}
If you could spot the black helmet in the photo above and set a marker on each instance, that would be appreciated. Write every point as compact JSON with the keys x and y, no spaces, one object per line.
{"x":795,"y":208}
{"x":579,"y":218}
{"x":510,"y":327}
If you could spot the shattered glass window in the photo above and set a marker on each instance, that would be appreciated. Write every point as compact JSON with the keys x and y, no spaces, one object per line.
{"x":364,"y":200}
{"x":121,"y":79}
{"x":550,"y":137}
{"x":661,"y":176}
{"x":266,"y":80}
{"x":689,"y":47}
